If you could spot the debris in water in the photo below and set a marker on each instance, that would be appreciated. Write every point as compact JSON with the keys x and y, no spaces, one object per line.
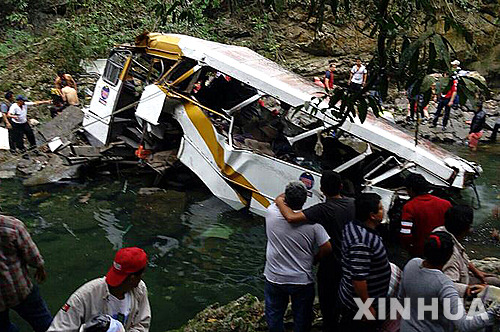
{"x":85,"y":198}
{"x":70,"y":231}
{"x":150,"y":191}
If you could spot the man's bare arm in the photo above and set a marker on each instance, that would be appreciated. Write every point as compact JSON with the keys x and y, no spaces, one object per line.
{"x":6,"y":120}
{"x":43,"y":102}
{"x":324,"y":250}
{"x":361,"y":290}
{"x":290,"y":215}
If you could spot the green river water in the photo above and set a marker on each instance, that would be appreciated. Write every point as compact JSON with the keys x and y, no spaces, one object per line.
{"x":200,"y":250}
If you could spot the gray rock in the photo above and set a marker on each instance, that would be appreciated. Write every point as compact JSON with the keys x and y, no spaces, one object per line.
{"x":62,"y":125}
{"x":488,"y":264}
{"x":30,"y":166}
{"x":324,"y":46}
{"x":7,"y":174}
{"x":53,"y":172}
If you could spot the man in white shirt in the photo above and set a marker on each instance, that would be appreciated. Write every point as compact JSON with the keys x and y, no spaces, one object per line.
{"x":18,"y":115}
{"x":357,"y":77}
{"x":291,"y":251}
{"x":121,"y":294}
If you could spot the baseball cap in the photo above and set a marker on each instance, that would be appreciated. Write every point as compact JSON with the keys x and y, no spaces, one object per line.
{"x":455,"y":62}
{"x":127,"y":261}
{"x":21,"y":97}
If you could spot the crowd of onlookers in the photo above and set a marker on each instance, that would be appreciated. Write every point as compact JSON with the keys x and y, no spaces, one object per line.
{"x":445,"y":99}
{"x":341,"y":235}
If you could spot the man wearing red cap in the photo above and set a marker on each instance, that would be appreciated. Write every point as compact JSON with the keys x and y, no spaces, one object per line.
{"x":121,"y":294}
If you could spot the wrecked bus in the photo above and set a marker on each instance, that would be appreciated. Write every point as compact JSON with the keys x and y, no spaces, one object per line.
{"x":239,"y":122}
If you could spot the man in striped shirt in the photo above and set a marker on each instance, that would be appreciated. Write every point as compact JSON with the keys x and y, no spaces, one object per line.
{"x":17,"y":292}
{"x":365,"y":267}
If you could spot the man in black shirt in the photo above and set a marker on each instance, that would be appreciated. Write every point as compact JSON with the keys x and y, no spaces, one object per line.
{"x":332,"y":215}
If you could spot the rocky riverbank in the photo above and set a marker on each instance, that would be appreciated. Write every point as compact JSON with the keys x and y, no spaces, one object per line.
{"x":458,"y":126}
{"x":245,"y":314}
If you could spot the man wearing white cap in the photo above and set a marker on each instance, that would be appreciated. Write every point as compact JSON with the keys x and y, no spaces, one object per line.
{"x":121,"y":294}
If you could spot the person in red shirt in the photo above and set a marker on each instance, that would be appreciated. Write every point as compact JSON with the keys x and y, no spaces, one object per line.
{"x":446,"y":101}
{"x":421,"y":215}
{"x":329,"y":75}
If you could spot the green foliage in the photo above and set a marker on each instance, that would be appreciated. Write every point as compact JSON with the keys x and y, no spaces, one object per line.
{"x":15,"y":12}
{"x":92,"y":29}
{"x":184,"y":10}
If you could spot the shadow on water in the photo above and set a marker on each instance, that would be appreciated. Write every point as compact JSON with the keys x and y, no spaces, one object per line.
{"x":200,"y":251}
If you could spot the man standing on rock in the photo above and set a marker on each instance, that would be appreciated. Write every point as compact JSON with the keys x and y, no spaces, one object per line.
{"x":4,"y":107}
{"x":357,"y":77}
{"x":290,"y":254}
{"x":333,"y":214}
{"x":18,"y":114}
{"x":17,"y":291}
{"x":446,"y":101}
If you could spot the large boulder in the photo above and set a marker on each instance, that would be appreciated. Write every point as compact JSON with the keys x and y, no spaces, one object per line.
{"x":63,"y":125}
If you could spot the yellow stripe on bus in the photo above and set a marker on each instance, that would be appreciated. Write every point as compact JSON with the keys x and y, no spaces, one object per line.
{"x":205,"y":128}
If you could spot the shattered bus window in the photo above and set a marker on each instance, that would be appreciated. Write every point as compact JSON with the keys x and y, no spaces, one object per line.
{"x":114,"y":66}
{"x":223,"y":93}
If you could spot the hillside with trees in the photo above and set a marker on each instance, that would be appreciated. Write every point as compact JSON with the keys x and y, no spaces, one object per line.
{"x":402,"y":40}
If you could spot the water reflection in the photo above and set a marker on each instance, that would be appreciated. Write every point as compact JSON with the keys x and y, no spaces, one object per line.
{"x":110,"y":224}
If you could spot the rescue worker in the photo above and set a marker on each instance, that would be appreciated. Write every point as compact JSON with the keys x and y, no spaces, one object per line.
{"x":329,"y":75}
{"x":69,"y":95}
{"x":61,"y":76}
{"x":18,"y":115}
{"x":446,"y":101}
